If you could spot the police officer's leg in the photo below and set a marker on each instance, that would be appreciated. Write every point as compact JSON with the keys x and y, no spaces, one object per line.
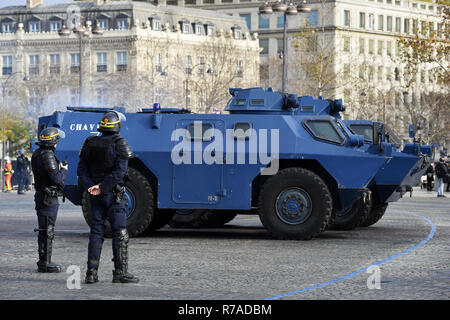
{"x":96,"y":238}
{"x":46,"y":221}
{"x":118,"y":220}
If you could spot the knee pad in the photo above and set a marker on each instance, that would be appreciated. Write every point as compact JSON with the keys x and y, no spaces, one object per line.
{"x":122,"y":235}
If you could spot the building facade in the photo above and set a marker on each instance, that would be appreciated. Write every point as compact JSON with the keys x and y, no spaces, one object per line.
{"x":147,"y":53}
{"x":356,"y":41}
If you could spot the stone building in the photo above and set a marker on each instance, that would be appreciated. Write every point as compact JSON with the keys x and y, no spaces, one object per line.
{"x":148,"y":52}
{"x":358,"y":39}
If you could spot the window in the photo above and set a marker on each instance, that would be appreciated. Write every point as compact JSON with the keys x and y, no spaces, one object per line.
{"x":362,"y":45}
{"x":248,"y":19}
{"x":188,"y":64}
{"x":205,"y":132}
{"x":371,"y":21}
{"x":263,"y":23}
{"x":240,"y":68}
{"x":380,"y":47}
{"x":313,"y":18}
{"x":362,"y":20}
{"x":186,"y":29}
{"x":210,"y":30}
{"x":325,"y":130}
{"x":388,"y":73}
{"x":103,"y":23}
{"x":102,"y":63}
{"x":371,"y":46}
{"x":34,"y":65}
{"x":398,"y":22}
{"x":237,"y":34}
{"x":371,"y":72}
{"x":264,"y":44}
{"x":158,"y":62}
{"x":406,"y":26}
{"x":347,"y":18}
{"x":362,"y":72}
{"x":389,"y":48}
{"x":201,"y":65}
{"x":122,"y":24}
{"x":7,"y":65}
{"x":122,"y":61}
{"x":7,"y":28}
{"x":380,"y":73}
{"x":74,"y":93}
{"x":397,"y":74}
{"x":389,"y":23}
{"x":35,"y":27}
{"x":74,"y":63}
{"x":347,"y":44}
{"x":381,"y":22}
{"x":55,"y":26}
{"x":280,"y":44}
{"x":55,"y":64}
{"x":198,"y":29}
{"x":101,"y":97}
{"x":346,"y":71}
{"x":280,"y":22}
{"x":156,"y":24}
{"x":242,"y":130}
{"x":363,"y":130}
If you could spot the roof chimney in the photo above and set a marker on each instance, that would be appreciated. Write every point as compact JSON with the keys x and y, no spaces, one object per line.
{"x":33,"y":3}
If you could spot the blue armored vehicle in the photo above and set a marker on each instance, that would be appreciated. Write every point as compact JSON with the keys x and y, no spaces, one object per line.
{"x":402,"y":171}
{"x":295,"y":170}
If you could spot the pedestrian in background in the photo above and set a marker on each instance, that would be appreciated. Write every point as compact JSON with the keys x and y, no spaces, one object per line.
{"x":8,"y":174}
{"x":441,"y":174}
{"x":448,"y":176}
{"x":22,"y":167}
{"x":430,"y":177}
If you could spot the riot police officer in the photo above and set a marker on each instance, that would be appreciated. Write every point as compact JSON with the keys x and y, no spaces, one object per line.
{"x":49,"y":175}
{"x":101,"y":171}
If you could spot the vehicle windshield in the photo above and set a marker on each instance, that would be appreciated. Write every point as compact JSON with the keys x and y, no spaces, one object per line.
{"x":393,"y":138}
{"x":365,"y":130}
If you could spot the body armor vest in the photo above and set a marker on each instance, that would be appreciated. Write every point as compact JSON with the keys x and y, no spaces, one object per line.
{"x":41,"y":177}
{"x":97,"y":151}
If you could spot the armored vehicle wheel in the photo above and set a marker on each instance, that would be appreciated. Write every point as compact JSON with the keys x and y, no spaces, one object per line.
{"x":295,"y":204}
{"x":375,"y":215}
{"x":201,"y":218}
{"x":139,"y":204}
{"x":355,"y":216}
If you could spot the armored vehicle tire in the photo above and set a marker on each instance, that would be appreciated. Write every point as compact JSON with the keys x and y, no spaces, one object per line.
{"x":295,"y":204}
{"x":375,"y":215}
{"x":355,"y":216}
{"x":201,"y":218}
{"x":139,"y":204}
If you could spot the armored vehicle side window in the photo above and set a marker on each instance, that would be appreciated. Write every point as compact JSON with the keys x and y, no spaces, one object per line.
{"x":239,"y":102}
{"x":324,"y":129}
{"x":205,"y":134}
{"x":242,"y":130}
{"x":257,"y":102}
{"x":365,"y":130}
{"x":307,"y":108}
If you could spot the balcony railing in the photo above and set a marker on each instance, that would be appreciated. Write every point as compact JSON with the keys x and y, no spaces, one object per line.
{"x":55,"y":69}
{"x":75,"y":69}
{"x":102,"y":68}
{"x":34,"y":70}
{"x":122,"y":67}
{"x":7,"y":71}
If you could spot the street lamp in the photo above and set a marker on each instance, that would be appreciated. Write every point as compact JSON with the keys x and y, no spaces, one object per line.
{"x":82,"y":32}
{"x":4,"y":85}
{"x":188,"y":72}
{"x":285,"y":9}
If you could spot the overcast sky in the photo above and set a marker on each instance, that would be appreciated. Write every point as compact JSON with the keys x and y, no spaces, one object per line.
{"x":5,"y":3}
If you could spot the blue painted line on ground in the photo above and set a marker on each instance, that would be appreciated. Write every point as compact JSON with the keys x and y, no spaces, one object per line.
{"x":323,"y":284}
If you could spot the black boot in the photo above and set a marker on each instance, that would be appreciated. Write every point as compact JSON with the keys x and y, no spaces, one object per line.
{"x":45,"y":246}
{"x":120,"y":253}
{"x":91,"y":276}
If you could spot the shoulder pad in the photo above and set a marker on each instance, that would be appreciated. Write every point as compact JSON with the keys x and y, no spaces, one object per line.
{"x":123,"y":149}
{"x":49,"y":161}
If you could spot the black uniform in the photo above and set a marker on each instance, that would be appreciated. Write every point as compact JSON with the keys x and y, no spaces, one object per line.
{"x":49,"y":182}
{"x":22,"y":167}
{"x":104,"y":162}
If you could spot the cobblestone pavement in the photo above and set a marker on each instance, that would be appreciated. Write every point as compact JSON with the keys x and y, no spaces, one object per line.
{"x":239,"y":261}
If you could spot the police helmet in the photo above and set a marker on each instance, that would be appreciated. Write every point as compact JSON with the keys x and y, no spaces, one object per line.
{"x":50,"y":136}
{"x":111,"y":121}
